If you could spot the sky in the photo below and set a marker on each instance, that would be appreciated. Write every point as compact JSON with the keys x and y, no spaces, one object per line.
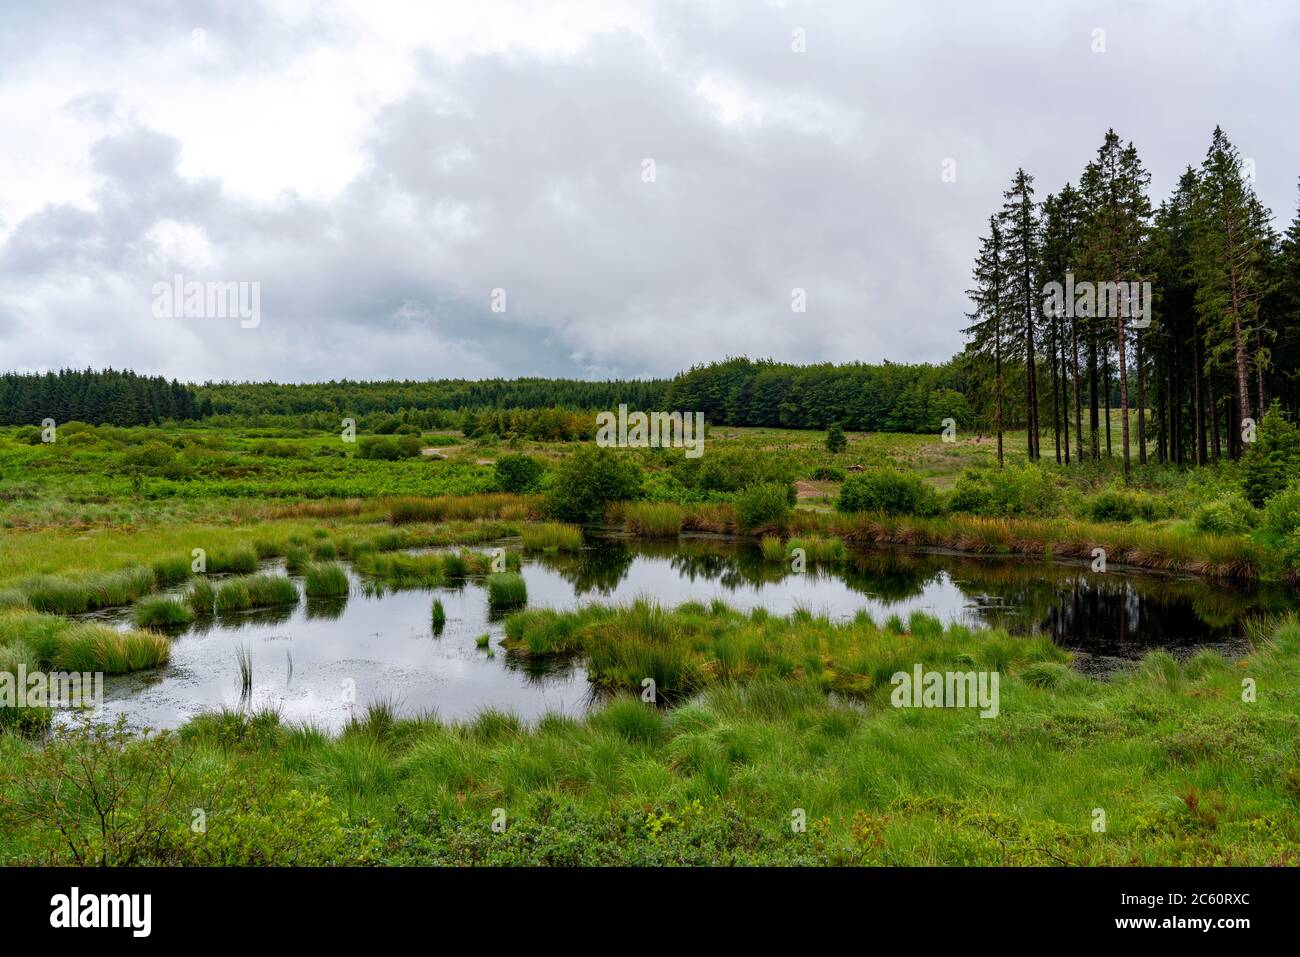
{"x":588,"y":190}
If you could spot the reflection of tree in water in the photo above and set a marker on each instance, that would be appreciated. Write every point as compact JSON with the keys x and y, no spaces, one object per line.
{"x":1115,"y":611}
{"x":598,"y":569}
{"x":890,"y":576}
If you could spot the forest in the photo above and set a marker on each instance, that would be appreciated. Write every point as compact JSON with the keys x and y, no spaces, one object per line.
{"x":1198,"y":375}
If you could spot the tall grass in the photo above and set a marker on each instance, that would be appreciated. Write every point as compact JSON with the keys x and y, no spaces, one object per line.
{"x":439,"y":617}
{"x":551,"y":537}
{"x":241,"y":559}
{"x":424,"y":570}
{"x":71,"y":596}
{"x":488,"y":505}
{"x":244,"y":657}
{"x":172,"y":571}
{"x":155,"y":611}
{"x":326,"y":579}
{"x":83,"y":646}
{"x":685,"y":649}
{"x":773,"y":548}
{"x":201,"y":597}
{"x":506,"y":590}
{"x":654,"y":519}
{"x":819,"y":549}
{"x":255,"y":591}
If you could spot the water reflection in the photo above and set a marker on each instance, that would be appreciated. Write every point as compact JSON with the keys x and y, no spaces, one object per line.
{"x":323,"y":659}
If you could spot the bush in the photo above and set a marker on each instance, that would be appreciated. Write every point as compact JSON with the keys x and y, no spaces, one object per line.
{"x":828,"y":473}
{"x":588,"y":480}
{"x":389,"y":449}
{"x":1228,"y":516}
{"x":1120,"y":505}
{"x":1282,"y":511}
{"x":518,"y":473}
{"x":763,"y":505}
{"x":887,"y":491}
{"x":1008,"y":492}
{"x":835,"y":440}
{"x":1272,"y":458}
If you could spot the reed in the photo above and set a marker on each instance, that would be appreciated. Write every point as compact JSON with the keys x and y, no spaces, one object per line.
{"x":506,"y":590}
{"x":155,"y":611}
{"x":326,"y":579}
{"x":551,"y":537}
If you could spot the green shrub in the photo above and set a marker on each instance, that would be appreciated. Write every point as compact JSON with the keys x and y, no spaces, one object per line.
{"x":763,"y":506}
{"x":835,"y":440}
{"x":1121,"y":505}
{"x":887,"y":491}
{"x":388,"y":449}
{"x":590,"y":479}
{"x":1004,"y":493}
{"x":518,"y":473}
{"x":1227,"y":516}
{"x":1272,"y":459}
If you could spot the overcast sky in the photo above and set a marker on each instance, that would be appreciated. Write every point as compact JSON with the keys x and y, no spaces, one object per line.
{"x":379,"y":169}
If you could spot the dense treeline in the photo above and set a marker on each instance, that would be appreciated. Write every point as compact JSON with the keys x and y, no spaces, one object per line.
{"x":1189,"y":311}
{"x":363,"y":398}
{"x":879,"y":398}
{"x":886,"y":397}
{"x":117,"y":398}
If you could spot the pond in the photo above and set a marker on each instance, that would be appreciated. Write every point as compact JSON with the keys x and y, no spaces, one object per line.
{"x":322,"y":661}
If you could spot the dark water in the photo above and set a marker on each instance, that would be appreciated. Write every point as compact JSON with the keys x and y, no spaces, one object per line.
{"x":323,"y":661}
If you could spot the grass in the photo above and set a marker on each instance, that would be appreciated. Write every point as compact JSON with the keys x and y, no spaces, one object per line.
{"x":326,"y":579}
{"x":61,"y":645}
{"x":244,"y":658}
{"x":654,"y":519}
{"x":156,"y":611}
{"x":506,"y":590}
{"x":490,"y":506}
{"x":438,"y":617}
{"x":1187,"y":772}
{"x":201,"y":598}
{"x":819,"y":549}
{"x":685,"y":649}
{"x":551,"y":537}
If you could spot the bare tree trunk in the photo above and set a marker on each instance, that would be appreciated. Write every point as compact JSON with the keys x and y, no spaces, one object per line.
{"x":1078,"y":404}
{"x":1142,"y":401}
